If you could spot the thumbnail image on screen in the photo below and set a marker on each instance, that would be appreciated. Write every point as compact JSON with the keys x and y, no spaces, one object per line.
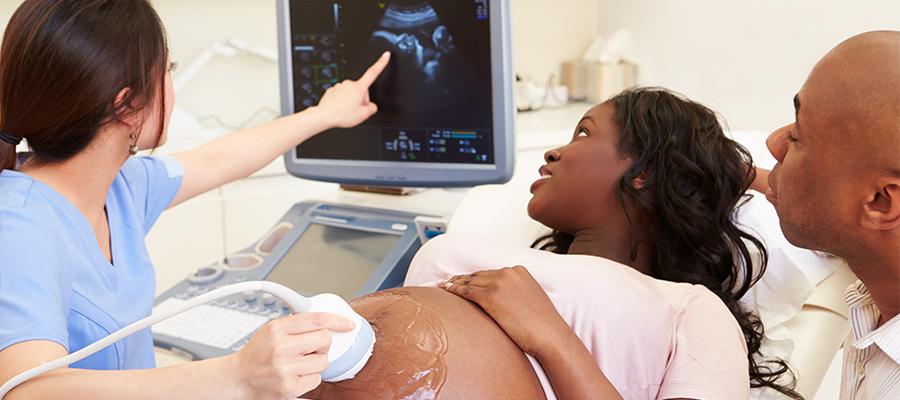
{"x":435,"y":97}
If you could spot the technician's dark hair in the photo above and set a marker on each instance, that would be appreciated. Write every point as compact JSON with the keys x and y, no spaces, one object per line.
{"x":695,"y":179}
{"x":62,"y":65}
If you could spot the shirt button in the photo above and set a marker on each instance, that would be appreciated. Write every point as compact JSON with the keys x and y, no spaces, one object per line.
{"x":860,"y":368}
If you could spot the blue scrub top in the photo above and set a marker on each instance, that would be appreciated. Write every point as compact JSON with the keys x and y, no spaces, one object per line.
{"x":56,"y":284}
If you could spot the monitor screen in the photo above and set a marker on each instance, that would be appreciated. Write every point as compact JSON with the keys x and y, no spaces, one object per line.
{"x":332,"y":259}
{"x":442,"y":100}
{"x":435,"y":96}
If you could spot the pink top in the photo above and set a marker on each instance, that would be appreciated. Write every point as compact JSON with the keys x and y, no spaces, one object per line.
{"x":653,"y":339}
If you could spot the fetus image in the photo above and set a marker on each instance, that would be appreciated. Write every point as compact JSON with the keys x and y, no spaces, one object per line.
{"x":428,"y":72}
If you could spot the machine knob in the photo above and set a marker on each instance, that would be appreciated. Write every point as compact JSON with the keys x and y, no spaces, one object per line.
{"x":206,"y":275}
{"x":250,"y":296}
{"x":267,"y":299}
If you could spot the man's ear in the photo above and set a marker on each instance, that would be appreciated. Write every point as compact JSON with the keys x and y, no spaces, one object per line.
{"x":882,"y":208}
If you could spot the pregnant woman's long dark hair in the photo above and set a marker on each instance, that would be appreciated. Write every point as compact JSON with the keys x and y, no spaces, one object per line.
{"x":696,"y":178}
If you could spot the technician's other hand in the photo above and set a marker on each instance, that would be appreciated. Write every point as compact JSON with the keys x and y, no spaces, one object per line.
{"x":286,"y":357}
{"x":516,"y":302}
{"x":347,"y":104}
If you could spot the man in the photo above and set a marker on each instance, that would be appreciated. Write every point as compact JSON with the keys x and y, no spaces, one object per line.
{"x":836,"y":188}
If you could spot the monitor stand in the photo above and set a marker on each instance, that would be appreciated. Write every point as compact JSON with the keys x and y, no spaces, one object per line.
{"x":394,"y":191}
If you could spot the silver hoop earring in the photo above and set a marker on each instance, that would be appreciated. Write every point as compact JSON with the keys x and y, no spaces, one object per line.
{"x":132,"y":149}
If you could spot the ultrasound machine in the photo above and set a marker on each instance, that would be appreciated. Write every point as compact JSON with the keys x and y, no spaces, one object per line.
{"x":445,"y":120}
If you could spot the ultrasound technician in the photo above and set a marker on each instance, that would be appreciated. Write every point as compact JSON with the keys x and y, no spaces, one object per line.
{"x":86,"y":92}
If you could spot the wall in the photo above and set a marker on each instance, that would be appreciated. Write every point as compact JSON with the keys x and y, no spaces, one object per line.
{"x":744,"y":59}
{"x":545,"y":33}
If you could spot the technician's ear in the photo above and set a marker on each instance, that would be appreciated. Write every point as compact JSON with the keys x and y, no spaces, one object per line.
{"x":126,"y":108}
{"x":882,"y":209}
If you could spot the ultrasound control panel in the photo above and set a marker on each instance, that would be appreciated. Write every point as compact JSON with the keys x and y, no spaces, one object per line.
{"x":314,"y":248}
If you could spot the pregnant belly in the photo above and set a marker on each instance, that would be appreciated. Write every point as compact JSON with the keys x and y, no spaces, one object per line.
{"x":431,"y":344}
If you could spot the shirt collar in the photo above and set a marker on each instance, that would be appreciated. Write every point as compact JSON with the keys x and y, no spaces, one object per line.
{"x":857,"y":295}
{"x":887,"y":336}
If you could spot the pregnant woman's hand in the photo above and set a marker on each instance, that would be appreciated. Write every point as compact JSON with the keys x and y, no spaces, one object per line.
{"x":516,"y":301}
{"x":520,"y":306}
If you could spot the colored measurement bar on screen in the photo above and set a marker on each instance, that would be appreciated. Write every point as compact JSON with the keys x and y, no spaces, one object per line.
{"x":464,"y":135}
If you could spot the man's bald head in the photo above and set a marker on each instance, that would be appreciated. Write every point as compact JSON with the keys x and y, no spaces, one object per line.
{"x":856,"y":88}
{"x":837,"y":184}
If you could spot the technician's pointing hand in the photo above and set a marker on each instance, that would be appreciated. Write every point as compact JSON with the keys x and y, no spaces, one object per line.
{"x":285,"y":358}
{"x":347,"y":104}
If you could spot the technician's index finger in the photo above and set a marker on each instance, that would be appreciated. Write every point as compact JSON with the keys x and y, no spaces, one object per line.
{"x":375,"y":70}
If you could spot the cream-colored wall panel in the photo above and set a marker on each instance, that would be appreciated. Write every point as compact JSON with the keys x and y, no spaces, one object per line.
{"x":231,"y":89}
{"x":745,"y":60}
{"x":546,"y":33}
{"x":185,"y":238}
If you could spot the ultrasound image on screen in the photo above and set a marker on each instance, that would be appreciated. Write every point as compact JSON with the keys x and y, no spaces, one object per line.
{"x":434,"y":98}
{"x":429,"y":72}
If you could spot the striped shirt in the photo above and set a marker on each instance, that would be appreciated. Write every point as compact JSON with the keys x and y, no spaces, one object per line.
{"x":871,"y":356}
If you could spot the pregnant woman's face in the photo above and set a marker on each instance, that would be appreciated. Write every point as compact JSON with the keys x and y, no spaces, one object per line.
{"x":579,"y":182}
{"x":431,"y":344}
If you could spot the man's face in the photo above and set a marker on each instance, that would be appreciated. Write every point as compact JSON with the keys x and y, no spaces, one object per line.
{"x":809,"y":186}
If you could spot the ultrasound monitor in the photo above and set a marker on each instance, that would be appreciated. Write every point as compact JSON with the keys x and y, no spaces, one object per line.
{"x":445,"y":100}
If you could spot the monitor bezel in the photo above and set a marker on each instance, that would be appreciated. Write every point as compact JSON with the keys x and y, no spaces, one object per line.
{"x":415,"y":174}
